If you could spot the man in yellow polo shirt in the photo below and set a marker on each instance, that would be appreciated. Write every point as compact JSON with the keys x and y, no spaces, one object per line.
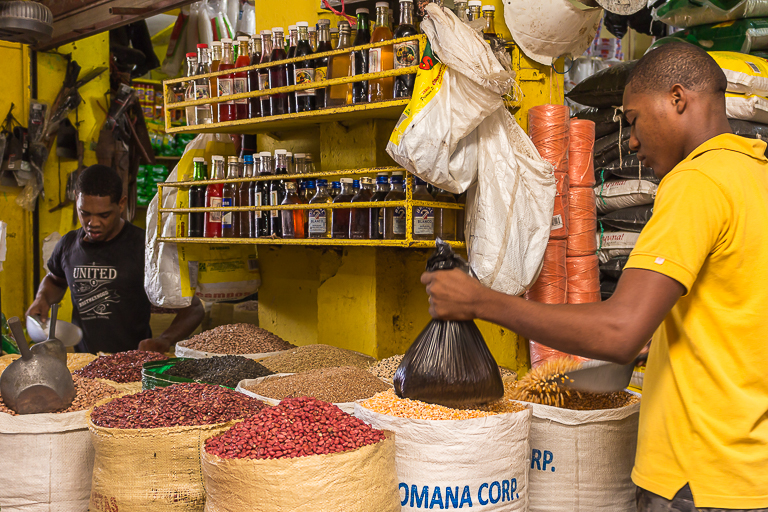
{"x":697,"y":278}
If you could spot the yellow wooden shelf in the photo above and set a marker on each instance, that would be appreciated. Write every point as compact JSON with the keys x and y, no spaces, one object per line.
{"x":338,"y":242}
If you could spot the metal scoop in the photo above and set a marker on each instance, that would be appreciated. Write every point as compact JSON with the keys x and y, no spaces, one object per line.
{"x":601,"y":376}
{"x":35,"y":383}
{"x":52,"y":346}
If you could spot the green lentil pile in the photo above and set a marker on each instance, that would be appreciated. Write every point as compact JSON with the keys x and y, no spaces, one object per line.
{"x":313,"y":357}
{"x":221,"y":370}
{"x":335,"y":385}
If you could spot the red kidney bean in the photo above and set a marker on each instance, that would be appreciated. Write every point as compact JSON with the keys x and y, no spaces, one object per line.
{"x":121,"y":367}
{"x":175,"y":406}
{"x":298,"y":427}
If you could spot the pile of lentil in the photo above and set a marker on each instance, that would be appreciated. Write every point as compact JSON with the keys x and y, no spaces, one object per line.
{"x":335,"y":385}
{"x":386,"y":368}
{"x":121,"y":367}
{"x":221,"y":370}
{"x":175,"y":406}
{"x":314,"y":357}
{"x":389,"y":403}
{"x":237,"y":339}
{"x":88,"y":393}
{"x":298,"y":427}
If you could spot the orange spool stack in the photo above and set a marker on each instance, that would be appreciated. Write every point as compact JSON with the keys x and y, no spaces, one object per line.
{"x":561,"y":212}
{"x":582,"y":222}
{"x":551,"y":286}
{"x":583,"y":279}
{"x":581,"y":157}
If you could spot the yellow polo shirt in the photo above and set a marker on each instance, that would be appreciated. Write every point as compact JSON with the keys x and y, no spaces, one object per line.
{"x":704,"y":413}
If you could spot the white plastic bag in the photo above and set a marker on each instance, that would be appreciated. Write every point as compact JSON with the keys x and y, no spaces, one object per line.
{"x":684,"y":14}
{"x":455,"y":96}
{"x":548,"y":29}
{"x":611,"y":244}
{"x":479,"y":464}
{"x":581,"y":460}
{"x":246,"y":25}
{"x":748,"y":108}
{"x":509,"y":213}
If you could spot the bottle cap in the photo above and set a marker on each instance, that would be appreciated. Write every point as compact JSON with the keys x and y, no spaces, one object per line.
{"x":383,"y":174}
{"x":265,"y":154}
{"x":232,"y":160}
{"x":489,"y":8}
{"x":475,"y":3}
{"x":225,"y":40}
{"x":217,"y":158}
{"x":281,"y":151}
{"x":309,"y":184}
{"x":367,"y":181}
{"x":337,"y":184}
{"x":301,"y":24}
{"x":291,"y":27}
{"x":356,"y":183}
{"x":362,"y":10}
{"x":277,"y":29}
{"x":288,"y":154}
{"x":243,"y":38}
{"x":198,"y":159}
{"x":323,"y":21}
{"x":248,"y":159}
{"x":382,"y":4}
{"x":322,"y":183}
{"x":397,"y":173}
{"x":192,"y":54}
{"x":216,"y":43}
{"x":335,"y":29}
{"x":345,"y":180}
{"x":343,"y":23}
{"x":299,"y":155}
{"x":266,"y":32}
{"x":410,"y":1}
{"x":312,"y":29}
{"x":202,"y":45}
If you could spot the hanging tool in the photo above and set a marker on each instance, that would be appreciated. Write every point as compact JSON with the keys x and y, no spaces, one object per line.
{"x":35,"y":383}
{"x":52,"y":346}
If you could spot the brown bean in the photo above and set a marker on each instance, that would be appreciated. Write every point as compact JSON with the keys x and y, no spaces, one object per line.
{"x":121,"y":367}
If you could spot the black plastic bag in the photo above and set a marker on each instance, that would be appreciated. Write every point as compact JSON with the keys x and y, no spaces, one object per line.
{"x":749,"y":129}
{"x":607,"y":288}
{"x":603,"y":89}
{"x":608,"y":148}
{"x":607,"y":120}
{"x":629,"y":168}
{"x":612,"y":269}
{"x":449,"y":363}
{"x":632,"y":219}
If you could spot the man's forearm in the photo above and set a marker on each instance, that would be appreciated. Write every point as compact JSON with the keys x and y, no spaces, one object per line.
{"x":50,"y":290}
{"x":185,"y":323}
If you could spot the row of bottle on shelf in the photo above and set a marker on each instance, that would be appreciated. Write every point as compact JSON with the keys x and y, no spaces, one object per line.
{"x":270,"y":47}
{"x":387,"y":223}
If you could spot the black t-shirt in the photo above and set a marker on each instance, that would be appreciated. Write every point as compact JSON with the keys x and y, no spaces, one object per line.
{"x":106,"y":280}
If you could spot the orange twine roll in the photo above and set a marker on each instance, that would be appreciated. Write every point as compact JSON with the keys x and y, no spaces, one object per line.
{"x":582,"y":222}
{"x":560,"y":213}
{"x":549,"y":131}
{"x":552,"y":285}
{"x":581,"y":158}
{"x":583,"y":279}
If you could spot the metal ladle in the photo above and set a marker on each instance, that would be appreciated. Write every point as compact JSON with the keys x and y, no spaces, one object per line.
{"x":52,"y":346}
{"x":35,"y":383}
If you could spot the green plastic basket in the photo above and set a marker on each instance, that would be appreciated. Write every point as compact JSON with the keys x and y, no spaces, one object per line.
{"x":153,"y":374}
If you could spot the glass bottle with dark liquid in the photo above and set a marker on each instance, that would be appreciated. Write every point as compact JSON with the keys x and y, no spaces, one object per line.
{"x":394,"y":216}
{"x":359,"y":227}
{"x":423,"y":216}
{"x":212,"y":228}
{"x":277,"y":194}
{"x":197,"y":199}
{"x":303,"y":71}
{"x":406,"y":54}
{"x":359,"y":63}
{"x":244,"y":199}
{"x":319,"y":225}
{"x":241,"y":77}
{"x":266,"y":56}
{"x":278,"y":74}
{"x":254,"y":104}
{"x":341,"y":216}
{"x":230,"y":226}
{"x":489,"y":32}
{"x":293,"y":41}
{"x":321,"y":64}
{"x":376,"y":215}
{"x":260,"y":194}
{"x":227,"y":109}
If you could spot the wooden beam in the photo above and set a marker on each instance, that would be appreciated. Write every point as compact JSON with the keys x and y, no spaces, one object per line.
{"x":77,"y":19}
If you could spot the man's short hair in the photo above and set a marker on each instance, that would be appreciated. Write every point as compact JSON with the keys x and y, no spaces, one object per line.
{"x":677,"y":63}
{"x":102,"y":181}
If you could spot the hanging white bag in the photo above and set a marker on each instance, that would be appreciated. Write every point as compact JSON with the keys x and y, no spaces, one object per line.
{"x":509,"y":213}
{"x":454,"y":97}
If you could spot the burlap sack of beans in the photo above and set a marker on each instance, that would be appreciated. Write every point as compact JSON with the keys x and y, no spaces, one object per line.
{"x":360,"y":480}
{"x":148,"y":470}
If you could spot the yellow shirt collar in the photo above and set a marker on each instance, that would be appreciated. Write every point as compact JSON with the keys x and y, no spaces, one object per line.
{"x":750,"y":147}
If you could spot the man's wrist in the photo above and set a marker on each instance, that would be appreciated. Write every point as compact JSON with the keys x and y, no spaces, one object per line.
{"x":480,"y":301}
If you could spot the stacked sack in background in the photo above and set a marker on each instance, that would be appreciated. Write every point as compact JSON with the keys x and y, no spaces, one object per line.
{"x":569,"y":272}
{"x":624,"y":190}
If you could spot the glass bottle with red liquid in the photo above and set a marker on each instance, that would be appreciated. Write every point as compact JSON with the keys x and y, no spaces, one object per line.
{"x":303,"y":71}
{"x":293,"y":220}
{"x":293,"y":42}
{"x":227,"y":110}
{"x":341,"y":216}
{"x":254,"y":104}
{"x":266,"y":56}
{"x":360,"y":217}
{"x":278,"y":76}
{"x":213,"y":195}
{"x":241,"y":77}
{"x":321,"y":64}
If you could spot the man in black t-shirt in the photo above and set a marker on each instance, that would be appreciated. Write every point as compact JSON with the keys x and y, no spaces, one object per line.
{"x":102,"y":264}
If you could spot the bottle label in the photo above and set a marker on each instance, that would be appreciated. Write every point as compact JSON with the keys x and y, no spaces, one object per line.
{"x":241,"y":85}
{"x":374,"y":60}
{"x":423,"y":220}
{"x":318,"y":221}
{"x":263,"y":84}
{"x":215,"y":202}
{"x":406,"y":54}
{"x":273,"y":202}
{"x":225,"y":87}
{"x":304,"y":76}
{"x":202,"y":91}
{"x":398,"y":224}
{"x":258,"y":202}
{"x":381,"y":223}
{"x":226,"y":218}
{"x":321,"y":74}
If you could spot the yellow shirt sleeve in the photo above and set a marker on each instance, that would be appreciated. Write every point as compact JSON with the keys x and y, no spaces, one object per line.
{"x":690,"y":217}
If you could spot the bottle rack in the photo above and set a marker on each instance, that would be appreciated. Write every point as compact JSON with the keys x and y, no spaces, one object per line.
{"x":389,"y":109}
{"x":408,"y":203}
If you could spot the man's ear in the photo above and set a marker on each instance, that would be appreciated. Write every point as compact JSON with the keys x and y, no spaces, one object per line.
{"x":679,"y":98}
{"x":122,"y":204}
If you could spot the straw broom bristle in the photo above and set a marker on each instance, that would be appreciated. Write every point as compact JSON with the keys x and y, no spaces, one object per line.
{"x":543,"y":384}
